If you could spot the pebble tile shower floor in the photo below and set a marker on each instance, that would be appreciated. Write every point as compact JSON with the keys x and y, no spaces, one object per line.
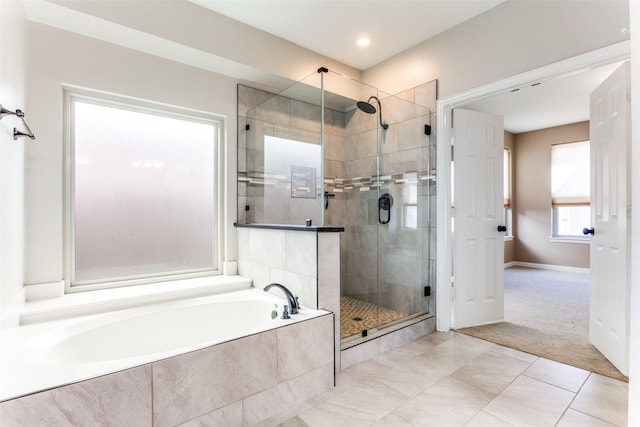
{"x":357,"y":315}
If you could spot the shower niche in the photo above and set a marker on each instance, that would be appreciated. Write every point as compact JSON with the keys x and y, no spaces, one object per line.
{"x":337,"y":152}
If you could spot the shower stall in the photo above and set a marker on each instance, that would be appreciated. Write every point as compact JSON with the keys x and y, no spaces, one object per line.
{"x":334,"y":151}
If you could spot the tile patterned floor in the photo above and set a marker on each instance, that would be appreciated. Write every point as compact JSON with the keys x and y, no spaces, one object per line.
{"x":450,"y":379}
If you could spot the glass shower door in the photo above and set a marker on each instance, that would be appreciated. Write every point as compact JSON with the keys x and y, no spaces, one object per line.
{"x":378,"y":175}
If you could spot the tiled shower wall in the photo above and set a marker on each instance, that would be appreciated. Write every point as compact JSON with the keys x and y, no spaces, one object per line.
{"x":263,"y":114}
{"x":388,"y":265}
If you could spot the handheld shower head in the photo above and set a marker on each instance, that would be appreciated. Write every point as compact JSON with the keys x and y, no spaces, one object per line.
{"x":369,"y":108}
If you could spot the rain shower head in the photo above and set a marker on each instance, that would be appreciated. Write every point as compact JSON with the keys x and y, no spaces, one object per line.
{"x":366,"y":107}
{"x":369,"y":108}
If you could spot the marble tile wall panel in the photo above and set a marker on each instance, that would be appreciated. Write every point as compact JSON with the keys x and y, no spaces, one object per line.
{"x":301,"y":257}
{"x":335,"y":214}
{"x":426,"y":95}
{"x":356,"y":121}
{"x":282,"y":256}
{"x":193,"y":384}
{"x":395,"y":109}
{"x":329,"y":272}
{"x":372,"y":348}
{"x":334,"y":148}
{"x":119,"y":399}
{"x":304,"y":287}
{"x":249,"y":98}
{"x":411,"y":134}
{"x":359,"y":353}
{"x":305,"y":115}
{"x":334,"y":122}
{"x":276,"y":110}
{"x":287,"y":394}
{"x":329,"y":283}
{"x":304,"y":346}
{"x":406,"y":335}
{"x":268,"y":247}
{"x":298,"y":134}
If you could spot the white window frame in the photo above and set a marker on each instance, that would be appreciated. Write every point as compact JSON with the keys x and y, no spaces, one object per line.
{"x":508,"y":208}
{"x":73,"y":93}
{"x":562,"y":238}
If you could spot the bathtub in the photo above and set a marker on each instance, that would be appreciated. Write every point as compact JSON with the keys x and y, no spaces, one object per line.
{"x":43,"y":356}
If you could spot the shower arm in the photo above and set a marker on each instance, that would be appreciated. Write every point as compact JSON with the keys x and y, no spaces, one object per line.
{"x":384,"y":125}
{"x":18,"y":113}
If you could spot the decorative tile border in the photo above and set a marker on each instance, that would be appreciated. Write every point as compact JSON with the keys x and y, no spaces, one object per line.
{"x":338,"y":185}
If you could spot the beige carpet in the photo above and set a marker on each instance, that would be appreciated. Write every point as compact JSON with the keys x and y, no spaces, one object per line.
{"x":357,"y":315}
{"x":547,"y":314}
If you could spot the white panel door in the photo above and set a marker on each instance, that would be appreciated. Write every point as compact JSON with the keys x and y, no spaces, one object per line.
{"x":478,"y":211}
{"x":610,"y":211}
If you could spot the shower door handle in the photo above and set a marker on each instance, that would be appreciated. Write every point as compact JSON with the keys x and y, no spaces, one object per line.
{"x":384,"y":205}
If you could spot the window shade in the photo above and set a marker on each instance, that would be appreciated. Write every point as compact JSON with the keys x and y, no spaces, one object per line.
{"x":570,"y":174}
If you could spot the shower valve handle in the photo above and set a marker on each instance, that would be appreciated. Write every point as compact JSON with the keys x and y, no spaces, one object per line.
{"x":384,"y":204}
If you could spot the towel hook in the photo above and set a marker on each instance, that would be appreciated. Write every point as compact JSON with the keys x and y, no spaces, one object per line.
{"x":19,"y":113}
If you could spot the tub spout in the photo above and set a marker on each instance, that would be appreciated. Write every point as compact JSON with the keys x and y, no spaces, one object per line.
{"x":293,"y":300}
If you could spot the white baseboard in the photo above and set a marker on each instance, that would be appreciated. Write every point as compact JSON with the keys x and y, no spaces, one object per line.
{"x":546,"y":266}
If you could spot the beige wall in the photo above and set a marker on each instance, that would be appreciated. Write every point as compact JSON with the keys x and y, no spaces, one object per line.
{"x":504,"y":41}
{"x":532,"y":216}
{"x":510,"y":245}
{"x":98,"y":65}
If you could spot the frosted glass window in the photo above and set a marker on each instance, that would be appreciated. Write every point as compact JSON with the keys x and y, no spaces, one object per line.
{"x":144,"y":193}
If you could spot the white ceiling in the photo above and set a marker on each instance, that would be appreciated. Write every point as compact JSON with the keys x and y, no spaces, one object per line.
{"x":554,"y":102}
{"x":332,"y":27}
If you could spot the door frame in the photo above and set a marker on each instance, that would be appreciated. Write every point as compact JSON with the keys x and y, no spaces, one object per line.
{"x":444,"y":256}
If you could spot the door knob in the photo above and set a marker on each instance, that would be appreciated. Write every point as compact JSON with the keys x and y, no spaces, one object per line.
{"x":587,"y":231}
{"x":502,"y":228}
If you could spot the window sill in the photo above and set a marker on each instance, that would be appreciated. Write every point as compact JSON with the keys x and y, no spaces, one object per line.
{"x":578,"y":240}
{"x":100,"y":301}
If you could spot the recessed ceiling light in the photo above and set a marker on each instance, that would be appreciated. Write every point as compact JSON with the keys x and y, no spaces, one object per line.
{"x":363,"y":41}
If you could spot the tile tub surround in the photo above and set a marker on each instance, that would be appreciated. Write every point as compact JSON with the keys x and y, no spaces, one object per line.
{"x":50,"y":354}
{"x":241,"y":382}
